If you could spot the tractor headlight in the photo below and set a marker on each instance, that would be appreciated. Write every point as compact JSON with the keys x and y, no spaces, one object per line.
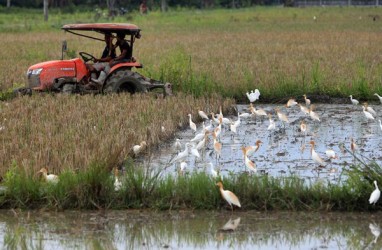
{"x":34,"y":71}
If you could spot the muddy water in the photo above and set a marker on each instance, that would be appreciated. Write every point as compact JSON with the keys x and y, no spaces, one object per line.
{"x":188,"y":230}
{"x":286,"y":150}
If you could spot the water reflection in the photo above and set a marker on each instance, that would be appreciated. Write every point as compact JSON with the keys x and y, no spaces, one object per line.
{"x":188,"y":230}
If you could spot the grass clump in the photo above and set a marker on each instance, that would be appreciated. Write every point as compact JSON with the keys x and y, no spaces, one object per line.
{"x":93,"y":188}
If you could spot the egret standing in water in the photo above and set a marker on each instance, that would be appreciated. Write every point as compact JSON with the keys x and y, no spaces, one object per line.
{"x":374,"y":197}
{"x":192,"y":124}
{"x":316,"y":158}
{"x":227,"y":195}
{"x":354,"y":101}
{"x":307,"y":101}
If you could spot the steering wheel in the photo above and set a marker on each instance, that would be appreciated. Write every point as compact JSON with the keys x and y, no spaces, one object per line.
{"x":87,"y":57}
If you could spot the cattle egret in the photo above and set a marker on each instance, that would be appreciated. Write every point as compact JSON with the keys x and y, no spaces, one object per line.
{"x":304,"y":109}
{"x":214,"y":173}
{"x":303,"y":127}
{"x":354,"y":101}
{"x":177,"y":146}
{"x":50,"y":178}
{"x":370,"y":109}
{"x":203,"y":115}
{"x":192,"y":124}
{"x":183,"y":166}
{"x":139,"y":148}
{"x":316,"y":158}
{"x":353,"y":146}
{"x":248,"y":163}
{"x":368,"y":115}
{"x":235,"y":124}
{"x":253,"y":96}
{"x":291,"y":103}
{"x":202,"y":143}
{"x":180,"y":156}
{"x":216,"y":120}
{"x":117,"y":182}
{"x":282,"y":117}
{"x":195,"y":152}
{"x":199,"y":136}
{"x":313,"y":114}
{"x":374,"y":197}
{"x":380,"y":97}
{"x":307,"y":101}
{"x":272,"y":124}
{"x":217,"y":146}
{"x":227,"y":195}
{"x":331,"y":154}
{"x":245,"y":115}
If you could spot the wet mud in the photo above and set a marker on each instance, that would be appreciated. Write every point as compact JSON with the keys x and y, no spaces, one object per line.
{"x":286,"y":150}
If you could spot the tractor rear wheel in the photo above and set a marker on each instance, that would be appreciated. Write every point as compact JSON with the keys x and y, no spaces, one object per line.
{"x":124,"y":81}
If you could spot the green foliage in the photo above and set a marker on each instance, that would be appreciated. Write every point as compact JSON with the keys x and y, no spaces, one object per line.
{"x":142,"y":188}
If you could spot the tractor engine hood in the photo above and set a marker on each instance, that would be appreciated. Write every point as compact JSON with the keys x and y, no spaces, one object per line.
{"x":41,"y":76}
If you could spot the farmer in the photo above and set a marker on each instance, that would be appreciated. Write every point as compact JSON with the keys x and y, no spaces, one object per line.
{"x":102,"y":64}
{"x":124,"y":47}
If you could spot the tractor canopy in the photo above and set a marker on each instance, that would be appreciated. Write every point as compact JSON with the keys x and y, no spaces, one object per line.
{"x":125,"y":28}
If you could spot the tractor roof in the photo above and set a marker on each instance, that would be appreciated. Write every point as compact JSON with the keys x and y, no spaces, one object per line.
{"x":125,"y":28}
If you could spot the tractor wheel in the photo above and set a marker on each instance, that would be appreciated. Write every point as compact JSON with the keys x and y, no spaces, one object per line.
{"x":124,"y":81}
{"x":68,"y":88}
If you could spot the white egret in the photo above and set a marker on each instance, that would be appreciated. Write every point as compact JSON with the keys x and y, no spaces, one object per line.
{"x":183,"y":166}
{"x":380,"y":97}
{"x":304,"y":109}
{"x":331,"y":154}
{"x":370,"y":109}
{"x":50,"y":178}
{"x":282,"y":117}
{"x":182,"y":155}
{"x":203,"y":115}
{"x":137,"y":149}
{"x":303,"y":127}
{"x":368,"y":115}
{"x":307,"y":101}
{"x":316,"y":158}
{"x":117,"y":182}
{"x":195,"y":152}
{"x":354,"y":101}
{"x":192,"y":124}
{"x":227,"y":195}
{"x":214,"y":173}
{"x":253,"y":96}
{"x":374,"y":197}
{"x":272,"y":124}
{"x":313,"y":114}
{"x":291,"y":102}
{"x":177,"y":146}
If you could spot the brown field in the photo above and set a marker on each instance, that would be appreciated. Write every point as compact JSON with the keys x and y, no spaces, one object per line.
{"x":280,"y":51}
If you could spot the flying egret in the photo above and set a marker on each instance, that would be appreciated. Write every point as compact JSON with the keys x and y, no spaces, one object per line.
{"x":374,"y":197}
{"x":139,"y":148}
{"x":316,"y":158}
{"x":50,"y":178}
{"x":253,"y":96}
{"x":380,"y":97}
{"x":354,"y":101}
{"x":192,"y":124}
{"x":307,"y":101}
{"x":227,"y":195}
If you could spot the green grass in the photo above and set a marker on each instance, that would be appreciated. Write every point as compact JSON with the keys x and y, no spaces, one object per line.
{"x":92,"y":188}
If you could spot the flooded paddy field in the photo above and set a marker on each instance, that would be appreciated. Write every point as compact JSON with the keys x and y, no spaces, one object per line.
{"x":285,"y":150}
{"x":188,"y":230}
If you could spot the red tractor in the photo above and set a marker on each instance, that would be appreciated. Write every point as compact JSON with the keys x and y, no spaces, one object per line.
{"x":71,"y":76}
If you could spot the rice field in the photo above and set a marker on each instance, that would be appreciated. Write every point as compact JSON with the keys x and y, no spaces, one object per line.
{"x":213,"y":58}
